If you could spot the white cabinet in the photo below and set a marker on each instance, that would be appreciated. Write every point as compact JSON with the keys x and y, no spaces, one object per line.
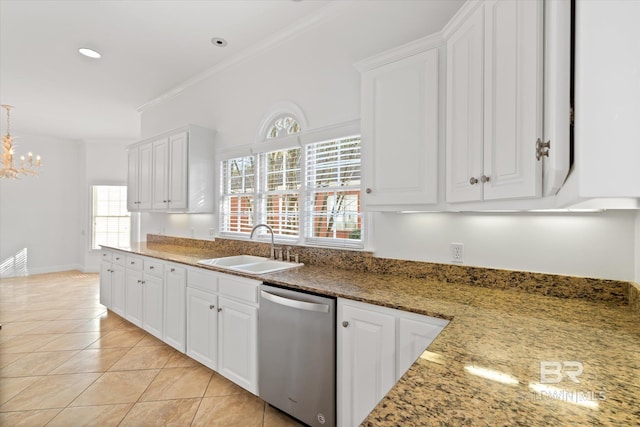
{"x":175,"y":320}
{"x":152,"y":305}
{"x":202,"y":327}
{"x":111,"y":279}
{"x":366,"y":360}
{"x":139,"y":182}
{"x":375,"y":347}
{"x":494,"y":101}
{"x":133,"y":297}
{"x":400,"y":126}
{"x":181,"y":171}
{"x":238,"y":343}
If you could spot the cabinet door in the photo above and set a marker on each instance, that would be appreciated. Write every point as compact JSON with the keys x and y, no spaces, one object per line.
{"x":145,"y":177}
{"x":105,"y":284}
{"x":414,"y":336}
{"x":512,"y":98}
{"x":465,"y":110}
{"x":238,"y":343}
{"x":118,"y":289}
{"x":152,"y":305}
{"x":400,"y":131}
{"x":178,"y":171}
{"x":160,"y":170}
{"x":202,"y":327}
{"x":174,"y":307}
{"x":133,"y":297}
{"x":365,"y":360}
{"x":133,"y":171}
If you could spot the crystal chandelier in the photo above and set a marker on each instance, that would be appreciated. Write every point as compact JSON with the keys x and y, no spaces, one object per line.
{"x":27,"y":166}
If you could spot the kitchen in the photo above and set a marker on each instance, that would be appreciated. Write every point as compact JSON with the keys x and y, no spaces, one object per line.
{"x":321,"y":79}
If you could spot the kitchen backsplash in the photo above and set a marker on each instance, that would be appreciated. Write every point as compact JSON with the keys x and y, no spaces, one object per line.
{"x":614,"y":291}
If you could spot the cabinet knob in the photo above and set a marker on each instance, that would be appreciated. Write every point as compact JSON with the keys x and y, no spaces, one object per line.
{"x":143,"y":282}
{"x":173,"y":270}
{"x":164,"y":201}
{"x":484,"y":178}
{"x":139,"y":281}
{"x":117,"y":258}
{"x":473,"y":180}
{"x":168,"y":201}
{"x":211,"y":307}
{"x":368,"y":191}
{"x":345,"y":324}
{"x":151,"y":267}
{"x":133,"y":262}
{"x":219,"y":310}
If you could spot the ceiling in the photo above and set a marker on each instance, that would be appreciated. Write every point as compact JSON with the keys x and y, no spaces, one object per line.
{"x":148,"y":47}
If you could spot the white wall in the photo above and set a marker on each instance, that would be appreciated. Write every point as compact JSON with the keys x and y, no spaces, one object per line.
{"x":104,"y":163}
{"x":315,"y":70}
{"x":581,"y":244}
{"x":42,"y":214}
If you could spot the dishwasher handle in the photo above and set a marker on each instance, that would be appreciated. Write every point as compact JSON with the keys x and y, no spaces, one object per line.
{"x":293,"y":303}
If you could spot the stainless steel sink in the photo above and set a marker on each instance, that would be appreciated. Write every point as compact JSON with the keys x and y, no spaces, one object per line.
{"x":250,"y":264}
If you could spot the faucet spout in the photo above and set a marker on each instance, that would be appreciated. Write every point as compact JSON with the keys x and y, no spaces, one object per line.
{"x":273,"y":246}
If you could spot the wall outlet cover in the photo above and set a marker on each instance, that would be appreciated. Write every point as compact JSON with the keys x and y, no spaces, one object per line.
{"x":457,"y":252}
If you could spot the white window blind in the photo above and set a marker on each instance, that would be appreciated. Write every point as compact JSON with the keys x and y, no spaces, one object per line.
{"x":280,"y":193}
{"x":238,"y":184}
{"x":333,"y":192}
{"x":111,"y":222}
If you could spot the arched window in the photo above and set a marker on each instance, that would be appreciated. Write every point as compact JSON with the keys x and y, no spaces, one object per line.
{"x":284,"y":125}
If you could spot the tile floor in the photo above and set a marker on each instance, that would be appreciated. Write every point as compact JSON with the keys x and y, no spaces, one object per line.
{"x":66,"y":361}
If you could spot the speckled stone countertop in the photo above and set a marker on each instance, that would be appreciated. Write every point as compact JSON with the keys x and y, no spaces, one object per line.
{"x":484,"y":369}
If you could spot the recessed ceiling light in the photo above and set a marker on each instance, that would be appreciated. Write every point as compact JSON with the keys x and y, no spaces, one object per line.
{"x":89,"y":53}
{"x":217,"y":41}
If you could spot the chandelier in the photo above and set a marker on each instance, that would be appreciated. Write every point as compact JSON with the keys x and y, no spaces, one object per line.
{"x":27,"y":166}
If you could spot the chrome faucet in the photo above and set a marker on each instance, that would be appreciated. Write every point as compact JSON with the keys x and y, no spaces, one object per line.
{"x":273,"y":246}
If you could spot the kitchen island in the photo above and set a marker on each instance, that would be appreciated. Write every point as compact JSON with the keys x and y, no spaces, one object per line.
{"x":507,"y":357}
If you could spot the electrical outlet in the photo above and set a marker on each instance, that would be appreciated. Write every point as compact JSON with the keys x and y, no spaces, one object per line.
{"x":457,"y":252}
{"x":211,"y":233}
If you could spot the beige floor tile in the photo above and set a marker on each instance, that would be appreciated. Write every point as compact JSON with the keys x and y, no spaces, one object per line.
{"x":220,"y":386}
{"x":29,"y":315}
{"x":273,"y":417}
{"x":180,"y":360}
{"x":104,"y":323}
{"x":53,"y":391}
{"x":19,"y":328}
{"x":8,"y":358}
{"x":56,"y":327}
{"x":178,"y":383}
{"x":33,"y":364}
{"x":98,"y":416}
{"x":119,"y":338}
{"x":83,"y":313}
{"x":25,"y":343}
{"x":144,"y":358}
{"x":9,"y":387}
{"x":116,"y":387}
{"x":27,"y":418}
{"x":162,"y":413}
{"x":91,"y":360}
{"x":71,"y":341}
{"x":149,"y":340}
{"x":242,"y":410}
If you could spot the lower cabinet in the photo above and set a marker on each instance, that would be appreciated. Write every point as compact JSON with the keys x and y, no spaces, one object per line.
{"x":133,"y":297}
{"x":202,"y":327}
{"x":152,"y":305}
{"x":238,"y":343}
{"x":376,"y":345}
{"x":175,"y":317}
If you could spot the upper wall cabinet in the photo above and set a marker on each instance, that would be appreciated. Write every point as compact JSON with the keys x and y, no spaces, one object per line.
{"x":494,"y":101}
{"x":400,"y":126}
{"x":173,"y":172}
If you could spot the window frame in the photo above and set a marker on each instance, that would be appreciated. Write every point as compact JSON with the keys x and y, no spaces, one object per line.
{"x":300,"y":140}
{"x":92,"y":214}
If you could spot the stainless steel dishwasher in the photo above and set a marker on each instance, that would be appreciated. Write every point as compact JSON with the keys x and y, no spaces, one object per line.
{"x":297,"y":357}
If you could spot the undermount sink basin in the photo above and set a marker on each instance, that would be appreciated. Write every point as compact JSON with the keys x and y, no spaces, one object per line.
{"x":250,"y":264}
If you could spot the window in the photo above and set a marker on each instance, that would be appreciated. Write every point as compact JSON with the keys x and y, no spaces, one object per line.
{"x":308,"y":194}
{"x":111,"y":222}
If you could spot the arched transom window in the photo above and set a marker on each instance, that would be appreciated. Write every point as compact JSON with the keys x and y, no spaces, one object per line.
{"x":283,"y":126}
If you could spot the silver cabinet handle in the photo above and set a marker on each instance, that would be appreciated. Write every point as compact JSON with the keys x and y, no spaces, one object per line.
{"x":133,"y":262}
{"x":301,"y":305}
{"x":211,"y":307}
{"x":117,"y":258}
{"x":173,"y":270}
{"x":139,"y":281}
{"x":484,"y":178}
{"x":219,"y":310}
{"x":473,"y":180}
{"x":345,"y":324}
{"x":151,"y":267}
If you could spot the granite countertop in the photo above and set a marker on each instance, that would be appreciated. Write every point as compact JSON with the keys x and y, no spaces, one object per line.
{"x":485,"y":366}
